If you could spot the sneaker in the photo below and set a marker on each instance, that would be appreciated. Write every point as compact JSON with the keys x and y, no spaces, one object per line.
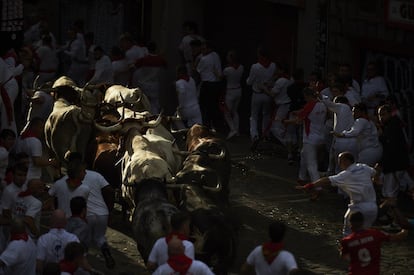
{"x":231,"y":134}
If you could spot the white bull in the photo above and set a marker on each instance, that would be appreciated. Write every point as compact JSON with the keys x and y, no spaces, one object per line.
{"x":135,"y":97}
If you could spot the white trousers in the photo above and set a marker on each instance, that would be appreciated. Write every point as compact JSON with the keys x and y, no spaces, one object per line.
{"x":368,"y":209}
{"x":232,"y":102}
{"x":370,"y":155}
{"x":278,"y":129}
{"x":309,"y":162}
{"x":394,"y":182}
{"x":98,"y":225}
{"x":260,"y":104}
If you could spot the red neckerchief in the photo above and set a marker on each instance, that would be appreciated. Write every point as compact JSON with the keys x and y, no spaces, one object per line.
{"x":73,"y":184}
{"x":25,"y":193}
{"x":66,"y":266}
{"x":186,"y":77}
{"x":264,"y":62}
{"x":20,"y":236}
{"x":307,"y":109}
{"x":28,"y":134}
{"x":180,"y":263}
{"x":179,"y":235}
{"x":271,"y":251}
{"x":285,"y":76}
{"x":6,"y":101}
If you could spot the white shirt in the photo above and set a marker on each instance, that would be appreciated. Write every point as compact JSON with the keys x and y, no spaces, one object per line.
{"x":317,"y":129}
{"x":61,"y":190}
{"x":371,"y":87}
{"x":51,"y":246}
{"x":77,"y":50}
{"x":260,"y":76}
{"x":159,"y":252}
{"x":185,"y":46}
{"x":96,"y":203}
{"x":9,"y":195}
{"x":196,"y":268}
{"x":48,"y":59}
{"x":5,"y":72}
{"x":233,"y":76}
{"x":103,"y":71}
{"x":356,"y":86}
{"x":282,"y":264}
{"x":343,"y":118}
{"x":121,"y":72}
{"x":366,"y":133}
{"x":19,"y":258}
{"x":134,"y":53}
{"x":352,"y":96}
{"x":41,"y":109}
{"x":187,"y":93}
{"x":356,"y":182}
{"x":209,"y":66}
{"x":28,"y":206}
{"x":279,"y":90}
{"x":32,"y":146}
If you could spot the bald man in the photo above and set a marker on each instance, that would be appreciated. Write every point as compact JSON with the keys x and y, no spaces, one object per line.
{"x":179,"y":262}
{"x":51,"y":246}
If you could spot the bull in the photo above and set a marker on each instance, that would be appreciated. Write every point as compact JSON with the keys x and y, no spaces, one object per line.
{"x":135,"y":98}
{"x":213,"y":231}
{"x":69,"y":126}
{"x":208,"y":164}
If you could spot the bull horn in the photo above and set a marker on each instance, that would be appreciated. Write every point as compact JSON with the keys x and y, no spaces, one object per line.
{"x":153,"y":124}
{"x":35,"y":86}
{"x":215,"y":189}
{"x":86,"y":86}
{"x":222,"y":155}
{"x":179,"y":131}
{"x":175,"y":186}
{"x":106,"y":129}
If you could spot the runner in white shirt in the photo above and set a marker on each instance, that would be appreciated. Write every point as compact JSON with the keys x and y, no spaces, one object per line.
{"x":41,"y":105}
{"x":270,"y":258}
{"x":343,"y":120}
{"x":356,"y":180}
{"x":29,"y":143}
{"x":233,"y":74}
{"x":76,"y":50}
{"x":179,"y":263}
{"x":9,"y":91}
{"x":132,"y":52}
{"x":28,"y":207}
{"x":99,"y":202}
{"x":103,"y":68}
{"x":344,"y":72}
{"x":180,"y":228}
{"x":282,"y":103}
{"x":7,"y":141}
{"x":365,"y":131}
{"x":51,"y":246}
{"x":70,"y":186}
{"x":209,"y":68}
{"x":260,"y":76}
{"x":190,"y":30}
{"x":20,"y":254}
{"x":120,"y":67}
{"x":313,"y":116}
{"x":188,"y":108}
{"x":47,"y":61}
{"x":374,"y":89}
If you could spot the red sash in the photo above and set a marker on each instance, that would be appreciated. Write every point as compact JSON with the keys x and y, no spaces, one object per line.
{"x":66,"y":266}
{"x":307,"y":109}
{"x":28,"y":134}
{"x":180,"y":263}
{"x":21,"y":236}
{"x":25,"y":193}
{"x":271,"y":251}
{"x":6,"y":101}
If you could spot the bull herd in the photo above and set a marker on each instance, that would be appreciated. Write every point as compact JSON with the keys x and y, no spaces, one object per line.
{"x":158,"y":171}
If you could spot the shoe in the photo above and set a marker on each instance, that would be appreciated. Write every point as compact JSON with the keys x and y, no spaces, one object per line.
{"x":231,"y":134}
{"x":109,"y":260}
{"x":255,"y":142}
{"x":391,"y":227}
